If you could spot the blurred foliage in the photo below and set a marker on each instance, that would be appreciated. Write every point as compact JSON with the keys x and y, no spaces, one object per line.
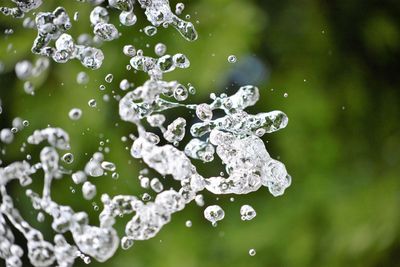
{"x":337,"y":60}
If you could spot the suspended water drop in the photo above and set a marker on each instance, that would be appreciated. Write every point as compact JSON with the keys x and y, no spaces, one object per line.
{"x":82,"y":78}
{"x":156,"y":185}
{"x":75,"y":114}
{"x":146,"y":197}
{"x":89,"y":190}
{"x":124,"y":85}
{"x":68,"y":158}
{"x":6,"y":136}
{"x":150,"y":30}
{"x":252,"y":252}
{"x":29,"y":88}
{"x":214,"y":213}
{"x":179,"y":8}
{"x":204,"y":112}
{"x":92,"y":103}
{"x":181,"y":93}
{"x":160,"y":49}
{"x":247,"y":213}
{"x":108,"y":166}
{"x":232,"y":59}
{"x":109,"y":78}
{"x":181,"y":61}
{"x":127,"y":18}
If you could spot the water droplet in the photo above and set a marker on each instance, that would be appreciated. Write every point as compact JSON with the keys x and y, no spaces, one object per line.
{"x":232,"y":59}
{"x":252,"y":252}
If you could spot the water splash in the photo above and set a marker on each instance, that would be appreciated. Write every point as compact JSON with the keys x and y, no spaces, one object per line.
{"x":233,"y":136}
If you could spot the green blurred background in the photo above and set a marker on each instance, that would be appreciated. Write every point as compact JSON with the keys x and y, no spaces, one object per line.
{"x":339,"y":63}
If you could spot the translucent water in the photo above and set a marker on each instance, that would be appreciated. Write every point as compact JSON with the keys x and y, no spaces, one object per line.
{"x":223,"y":129}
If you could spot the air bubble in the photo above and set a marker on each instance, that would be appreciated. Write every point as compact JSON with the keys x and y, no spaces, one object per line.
{"x":92,"y":103}
{"x":232,"y":59}
{"x":75,"y":114}
{"x":252,"y":252}
{"x":68,"y":158}
{"x":214,"y":213}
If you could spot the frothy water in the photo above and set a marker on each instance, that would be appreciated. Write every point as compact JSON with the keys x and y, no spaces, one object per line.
{"x":234,"y":137}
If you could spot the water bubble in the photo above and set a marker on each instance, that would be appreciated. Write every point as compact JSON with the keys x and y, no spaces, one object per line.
{"x":82,"y":78}
{"x":145,"y":182}
{"x":127,"y":18}
{"x":89,"y":190}
{"x":188,"y":223}
{"x":146,"y":197}
{"x":247,"y":213}
{"x":68,"y":158}
{"x":109,"y":78}
{"x":156,"y":185}
{"x":99,"y":15}
{"x":108,"y":166}
{"x":75,"y":114}
{"x":232,"y":59}
{"x":204,"y":112}
{"x":214,"y":213}
{"x":181,"y":61}
{"x":6,"y":136}
{"x":92,"y":103}
{"x":129,"y":50}
{"x":150,"y":30}
{"x":160,"y":49}
{"x":252,"y":252}
{"x":181,"y":93}
{"x":124,"y":85}
{"x":126,"y":243}
{"x":179,"y":8}
{"x":29,"y":88}
{"x":79,"y":177}
{"x":40,"y":217}
{"x":106,"y":31}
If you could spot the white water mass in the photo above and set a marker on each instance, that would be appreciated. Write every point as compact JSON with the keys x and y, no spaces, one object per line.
{"x":234,"y":136}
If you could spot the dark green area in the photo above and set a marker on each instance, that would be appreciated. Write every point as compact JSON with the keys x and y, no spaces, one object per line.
{"x":339,"y":63}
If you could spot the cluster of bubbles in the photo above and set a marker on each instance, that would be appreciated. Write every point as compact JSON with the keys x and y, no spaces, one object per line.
{"x":224,"y":129}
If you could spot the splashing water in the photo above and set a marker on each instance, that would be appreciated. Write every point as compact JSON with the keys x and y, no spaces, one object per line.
{"x":235,"y":137}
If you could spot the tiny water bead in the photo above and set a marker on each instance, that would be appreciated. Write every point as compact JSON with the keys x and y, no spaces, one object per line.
{"x":68,"y":158}
{"x":247,"y":213}
{"x":109,"y":78}
{"x":214,"y":214}
{"x":252,"y":252}
{"x":129,"y":50}
{"x":160,"y":49}
{"x":204,"y":112}
{"x":124,"y":85}
{"x":108,"y":166}
{"x":232,"y":59}
{"x":82,"y":78}
{"x":150,"y":30}
{"x":89,"y":190}
{"x":92,"y":103}
{"x":179,"y":8}
{"x":75,"y":114}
